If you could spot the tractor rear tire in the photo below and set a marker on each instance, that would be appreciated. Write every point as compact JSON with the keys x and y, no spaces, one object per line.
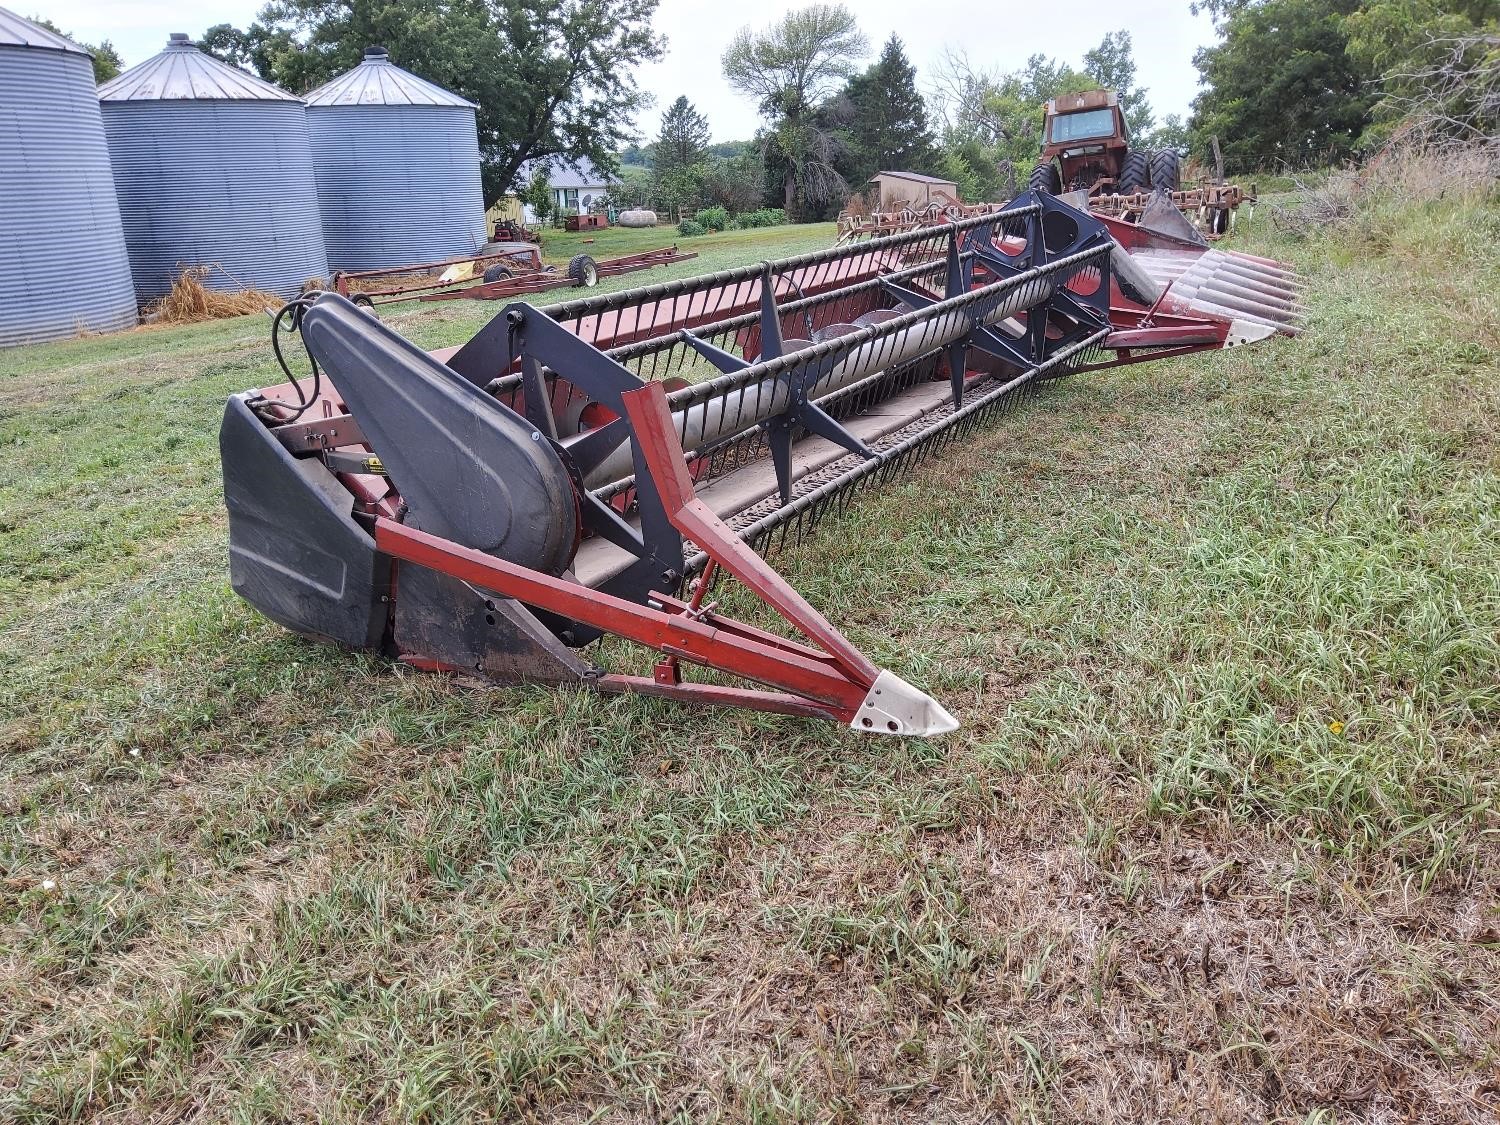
{"x":583,"y":271}
{"x":1044,"y":177}
{"x":1166,"y":171}
{"x":497,"y":273}
{"x":1134,"y":173}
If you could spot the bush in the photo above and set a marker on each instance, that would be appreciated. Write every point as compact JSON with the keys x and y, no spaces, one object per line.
{"x":765,"y":217}
{"x":712,"y":218}
{"x":691,"y":226}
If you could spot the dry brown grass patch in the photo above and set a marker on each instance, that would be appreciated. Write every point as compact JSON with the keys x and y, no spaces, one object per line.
{"x":191,"y":301}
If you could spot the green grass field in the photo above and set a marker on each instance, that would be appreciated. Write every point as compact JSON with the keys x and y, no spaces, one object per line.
{"x":1217,"y":839}
{"x":718,"y":251}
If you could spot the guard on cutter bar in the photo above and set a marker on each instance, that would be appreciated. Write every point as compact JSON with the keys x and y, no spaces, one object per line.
{"x":600,"y":465}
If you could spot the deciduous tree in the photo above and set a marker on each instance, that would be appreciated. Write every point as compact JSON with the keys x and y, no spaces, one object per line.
{"x":992,"y":122}
{"x":789,"y":68}
{"x":736,"y":184}
{"x":1112,"y":65}
{"x":537,"y":194}
{"x":1282,"y":87}
{"x":1439,"y":60}
{"x":107,"y":61}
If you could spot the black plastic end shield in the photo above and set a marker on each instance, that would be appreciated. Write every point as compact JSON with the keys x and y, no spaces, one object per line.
{"x":295,"y":551}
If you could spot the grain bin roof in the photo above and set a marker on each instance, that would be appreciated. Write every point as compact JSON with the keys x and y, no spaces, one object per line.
{"x":378,"y":81}
{"x":18,"y":32}
{"x":184,"y":73}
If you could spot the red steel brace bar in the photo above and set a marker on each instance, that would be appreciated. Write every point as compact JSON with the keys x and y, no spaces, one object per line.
{"x":832,"y":680}
{"x":651,"y":418}
{"x":816,"y":687}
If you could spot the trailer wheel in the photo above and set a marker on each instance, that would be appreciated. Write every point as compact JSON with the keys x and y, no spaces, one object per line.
{"x":1166,"y":170}
{"x":363,"y":300}
{"x":584,"y":272}
{"x":1134,"y":173}
{"x":1044,"y":177}
{"x":497,"y":273}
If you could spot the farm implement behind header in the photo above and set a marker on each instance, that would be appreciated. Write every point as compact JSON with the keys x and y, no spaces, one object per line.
{"x":508,"y":270}
{"x":599,"y":466}
{"x":1087,"y":151}
{"x":1209,"y":208}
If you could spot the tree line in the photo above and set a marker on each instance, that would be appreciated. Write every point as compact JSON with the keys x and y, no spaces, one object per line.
{"x":1288,"y":82}
{"x":830,"y":124}
{"x":1313,"y":82}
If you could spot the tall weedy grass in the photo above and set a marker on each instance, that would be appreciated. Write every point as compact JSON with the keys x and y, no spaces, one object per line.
{"x":1402,"y":200}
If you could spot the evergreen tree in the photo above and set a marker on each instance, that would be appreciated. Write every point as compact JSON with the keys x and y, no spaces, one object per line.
{"x":677,"y":157}
{"x":683,"y":140}
{"x":888,"y":127}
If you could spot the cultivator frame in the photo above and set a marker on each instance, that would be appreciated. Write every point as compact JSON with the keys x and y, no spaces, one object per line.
{"x":597,"y":467}
{"x":454,"y":279}
{"x":854,"y":226}
{"x":1210,"y":207}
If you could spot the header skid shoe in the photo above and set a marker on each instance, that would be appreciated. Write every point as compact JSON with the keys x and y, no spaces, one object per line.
{"x":899,"y":708}
{"x":602,"y":465}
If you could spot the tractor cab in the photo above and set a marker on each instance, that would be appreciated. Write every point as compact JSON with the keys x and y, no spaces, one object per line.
{"x":1085,"y":138}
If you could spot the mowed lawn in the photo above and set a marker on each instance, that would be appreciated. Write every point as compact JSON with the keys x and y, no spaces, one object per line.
{"x":1217,"y":839}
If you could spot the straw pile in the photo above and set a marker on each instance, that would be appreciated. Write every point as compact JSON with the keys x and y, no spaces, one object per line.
{"x":191,"y":301}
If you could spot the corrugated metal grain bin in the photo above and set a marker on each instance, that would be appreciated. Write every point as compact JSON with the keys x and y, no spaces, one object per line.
{"x":212,"y":167}
{"x":63,"y":267}
{"x":397,"y":161}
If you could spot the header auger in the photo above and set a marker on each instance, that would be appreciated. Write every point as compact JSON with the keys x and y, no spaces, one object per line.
{"x":598,"y":466}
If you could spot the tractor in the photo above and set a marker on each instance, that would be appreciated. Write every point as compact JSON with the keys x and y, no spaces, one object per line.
{"x":1086,"y":147}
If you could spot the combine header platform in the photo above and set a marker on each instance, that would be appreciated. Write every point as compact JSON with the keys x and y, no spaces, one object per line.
{"x":599,"y":466}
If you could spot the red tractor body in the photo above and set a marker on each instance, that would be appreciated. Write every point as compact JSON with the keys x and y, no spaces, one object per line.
{"x":1087,"y":138}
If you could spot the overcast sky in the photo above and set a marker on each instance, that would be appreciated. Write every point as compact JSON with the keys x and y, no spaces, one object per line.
{"x":999,"y":35}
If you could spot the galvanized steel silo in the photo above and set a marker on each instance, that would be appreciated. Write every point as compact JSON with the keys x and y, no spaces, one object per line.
{"x":63,"y":266}
{"x":397,"y":161}
{"x":212,"y":167}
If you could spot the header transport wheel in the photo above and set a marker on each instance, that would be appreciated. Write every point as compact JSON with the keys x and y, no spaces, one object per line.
{"x":584,"y":272}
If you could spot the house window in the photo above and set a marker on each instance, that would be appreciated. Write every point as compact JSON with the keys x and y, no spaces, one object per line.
{"x":570,"y":198}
